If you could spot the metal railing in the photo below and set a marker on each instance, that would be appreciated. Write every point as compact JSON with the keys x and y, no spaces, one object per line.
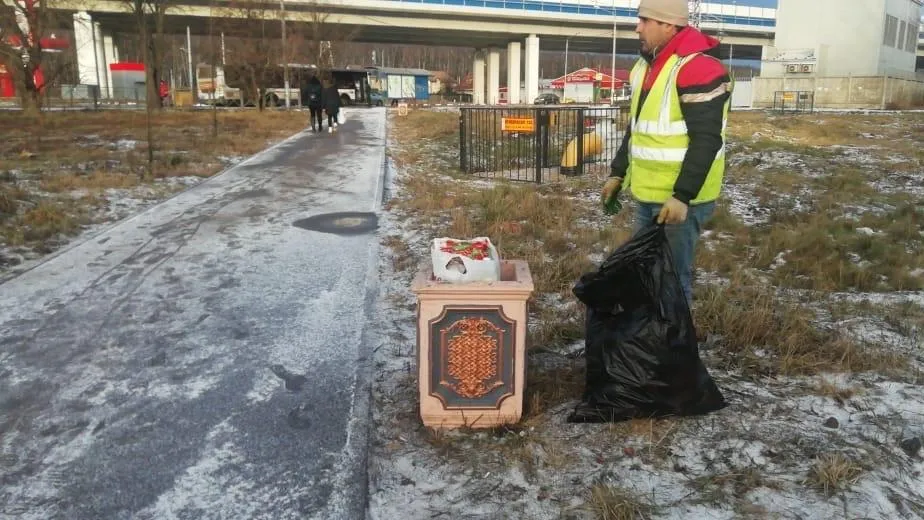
{"x":603,"y":9}
{"x":794,"y":101}
{"x":539,"y":144}
{"x":93,"y":97}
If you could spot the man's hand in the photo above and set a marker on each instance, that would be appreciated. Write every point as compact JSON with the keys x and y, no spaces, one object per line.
{"x":672,"y":212}
{"x":612,"y":184}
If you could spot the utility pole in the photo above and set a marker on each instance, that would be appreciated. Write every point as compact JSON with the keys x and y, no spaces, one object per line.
{"x":212,"y":59}
{"x":566,"y":58}
{"x":189,"y":62}
{"x":285,"y":57}
{"x":613,"y":59}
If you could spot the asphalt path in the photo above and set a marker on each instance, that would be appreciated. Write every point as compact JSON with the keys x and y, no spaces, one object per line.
{"x":208,"y":357}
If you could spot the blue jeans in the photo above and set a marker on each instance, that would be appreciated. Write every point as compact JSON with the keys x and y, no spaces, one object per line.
{"x":681,"y":237}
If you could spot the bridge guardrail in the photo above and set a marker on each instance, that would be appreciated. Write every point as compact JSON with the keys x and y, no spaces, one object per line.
{"x":574,"y":8}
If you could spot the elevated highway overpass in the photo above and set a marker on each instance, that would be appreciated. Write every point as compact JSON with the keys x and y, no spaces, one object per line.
{"x":522,"y":26}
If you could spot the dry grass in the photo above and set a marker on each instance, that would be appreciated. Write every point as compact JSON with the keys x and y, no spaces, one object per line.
{"x":725,"y":488}
{"x":403,"y":258}
{"x":817,"y":129}
{"x":821,"y":249}
{"x":832,"y":473}
{"x":84,"y":135}
{"x":840,"y":394}
{"x":547,"y":388}
{"x":57,"y":168}
{"x":762,"y":334}
{"x":615,"y":503}
{"x":94,"y":182}
{"x":834,"y":231}
{"x":558,"y":326}
{"x":759,"y":326}
{"x":426,"y":124}
{"x":654,"y":435}
{"x":48,"y":220}
{"x":9,"y":200}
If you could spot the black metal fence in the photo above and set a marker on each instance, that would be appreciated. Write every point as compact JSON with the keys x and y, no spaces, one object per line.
{"x":794,"y":101}
{"x":539,"y":144}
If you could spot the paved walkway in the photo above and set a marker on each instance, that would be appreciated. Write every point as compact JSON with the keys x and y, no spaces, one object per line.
{"x":205,"y":358}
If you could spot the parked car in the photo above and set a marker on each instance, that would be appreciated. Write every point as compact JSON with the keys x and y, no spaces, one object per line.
{"x":547,"y":99}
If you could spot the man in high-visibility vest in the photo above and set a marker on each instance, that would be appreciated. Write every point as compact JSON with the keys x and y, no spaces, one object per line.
{"x":672,"y":158}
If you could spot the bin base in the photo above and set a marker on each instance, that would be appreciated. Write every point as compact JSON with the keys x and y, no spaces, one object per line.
{"x":471,"y":348}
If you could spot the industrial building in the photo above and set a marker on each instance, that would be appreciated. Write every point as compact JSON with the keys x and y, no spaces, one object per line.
{"x":861,"y":56}
{"x":828,"y":38}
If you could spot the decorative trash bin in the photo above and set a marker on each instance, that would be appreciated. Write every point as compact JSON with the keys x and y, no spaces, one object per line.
{"x":471,"y":348}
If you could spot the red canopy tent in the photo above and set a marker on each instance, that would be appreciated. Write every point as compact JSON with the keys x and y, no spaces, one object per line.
{"x":588,"y":75}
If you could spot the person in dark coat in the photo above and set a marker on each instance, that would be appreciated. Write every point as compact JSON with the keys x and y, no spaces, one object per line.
{"x":331,"y":100}
{"x":312,"y":96}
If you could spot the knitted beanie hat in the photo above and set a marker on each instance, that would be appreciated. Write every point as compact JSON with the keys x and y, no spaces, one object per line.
{"x":668,"y":11}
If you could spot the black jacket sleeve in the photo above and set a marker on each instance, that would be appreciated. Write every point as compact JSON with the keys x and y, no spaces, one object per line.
{"x":703,"y":110}
{"x":620,"y":163}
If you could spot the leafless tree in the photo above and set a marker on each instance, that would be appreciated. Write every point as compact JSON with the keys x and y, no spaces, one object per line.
{"x":252,"y":46}
{"x":150,"y":17}
{"x":322,"y":36}
{"x":23,"y":25}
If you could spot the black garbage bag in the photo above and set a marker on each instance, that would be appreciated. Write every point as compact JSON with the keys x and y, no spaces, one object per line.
{"x":640,"y":344}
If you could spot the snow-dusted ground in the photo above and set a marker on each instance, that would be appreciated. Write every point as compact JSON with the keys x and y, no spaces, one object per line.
{"x":752,"y":459}
{"x":118,"y":204}
{"x":204,"y":358}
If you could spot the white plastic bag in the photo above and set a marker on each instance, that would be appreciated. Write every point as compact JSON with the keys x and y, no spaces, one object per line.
{"x":340,"y":117}
{"x":461,"y":261}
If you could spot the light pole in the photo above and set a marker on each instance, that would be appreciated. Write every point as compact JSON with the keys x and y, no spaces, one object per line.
{"x":189,"y":62}
{"x":566,"y":58}
{"x":613,"y":59}
{"x":731,"y":46}
{"x":285,"y":57}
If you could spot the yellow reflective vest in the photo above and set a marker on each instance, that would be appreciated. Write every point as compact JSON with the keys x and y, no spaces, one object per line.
{"x":659,"y":140}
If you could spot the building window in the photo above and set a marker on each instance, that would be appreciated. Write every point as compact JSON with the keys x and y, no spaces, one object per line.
{"x":912,"y":37}
{"x":891,"y":30}
{"x":901,"y":35}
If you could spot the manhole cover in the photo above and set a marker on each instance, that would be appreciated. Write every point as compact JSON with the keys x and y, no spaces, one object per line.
{"x":346,"y":223}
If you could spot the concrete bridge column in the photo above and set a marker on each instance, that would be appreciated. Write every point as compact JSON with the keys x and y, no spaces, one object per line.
{"x":478,"y":79}
{"x":493,"y":93}
{"x":513,"y":73}
{"x":112,"y":56}
{"x":102,"y":63}
{"x":532,"y":68}
{"x":86,"y":50}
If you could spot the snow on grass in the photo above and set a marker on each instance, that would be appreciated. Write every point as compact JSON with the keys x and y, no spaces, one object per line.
{"x":830,"y":445}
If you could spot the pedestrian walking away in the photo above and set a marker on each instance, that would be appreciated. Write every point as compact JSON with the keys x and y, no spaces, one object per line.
{"x":672,"y":157}
{"x":313,"y":94}
{"x":331,"y":101}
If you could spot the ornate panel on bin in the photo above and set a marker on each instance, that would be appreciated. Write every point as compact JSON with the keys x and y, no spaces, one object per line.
{"x":472,"y":356}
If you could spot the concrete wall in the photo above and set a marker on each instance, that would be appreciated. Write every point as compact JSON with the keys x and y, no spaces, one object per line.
{"x":820,"y":25}
{"x":855,"y":92}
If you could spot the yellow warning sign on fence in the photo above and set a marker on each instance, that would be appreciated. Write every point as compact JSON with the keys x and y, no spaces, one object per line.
{"x":518,"y":124}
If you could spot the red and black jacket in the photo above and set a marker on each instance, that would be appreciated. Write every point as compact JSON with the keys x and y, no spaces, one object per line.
{"x":703,"y":86}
